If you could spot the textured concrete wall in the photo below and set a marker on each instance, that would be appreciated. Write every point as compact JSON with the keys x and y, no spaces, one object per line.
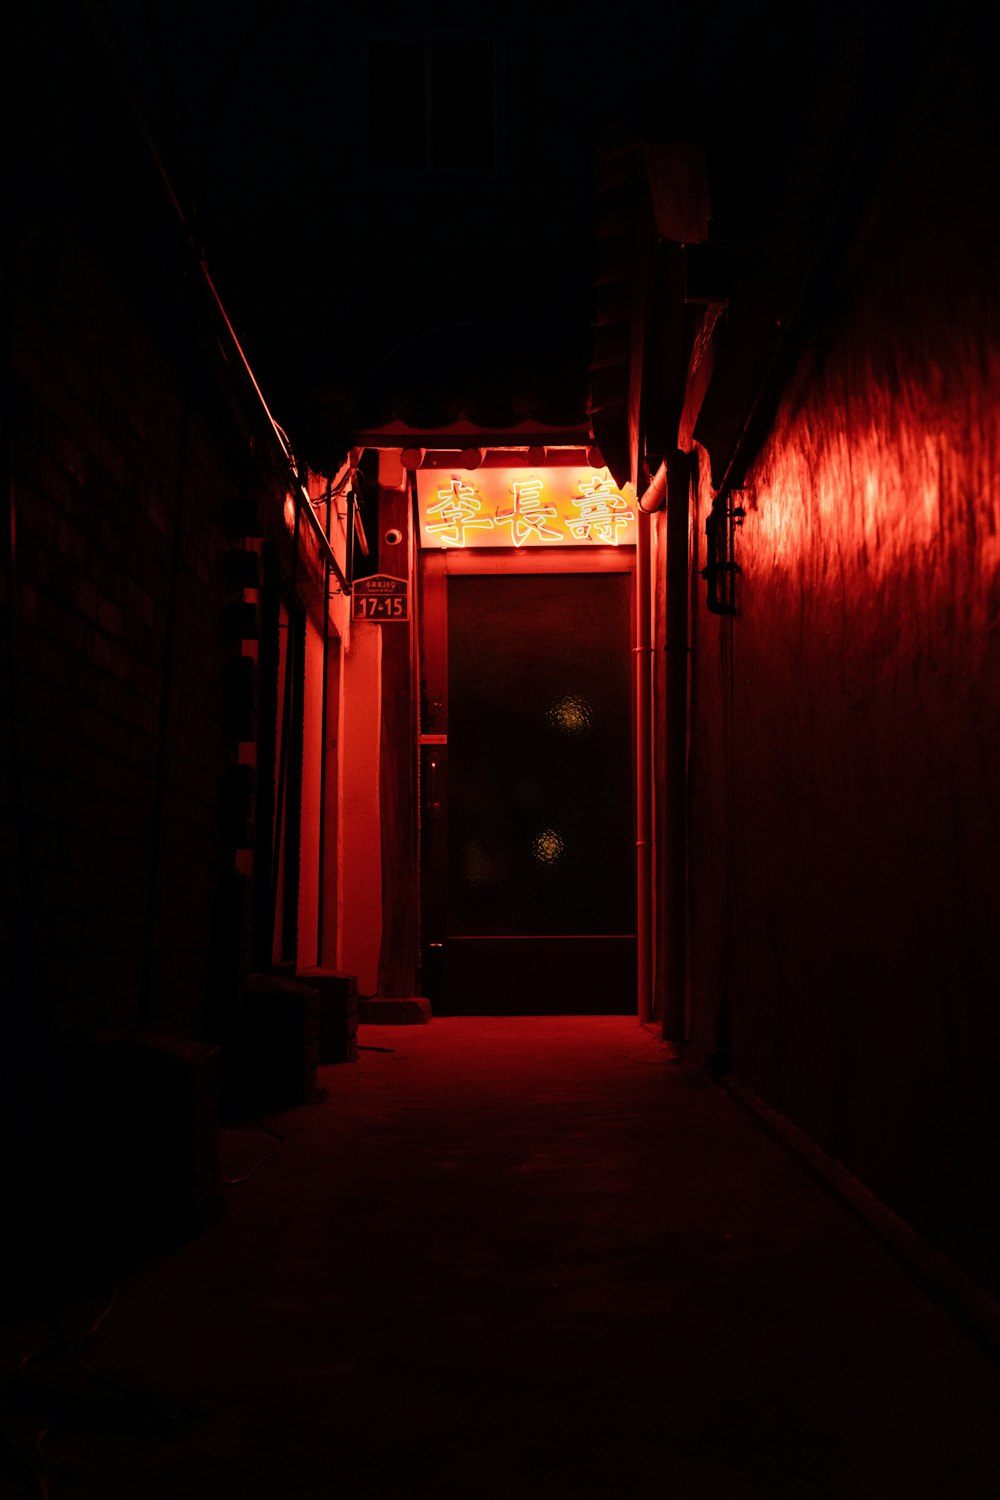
{"x":847,"y":730}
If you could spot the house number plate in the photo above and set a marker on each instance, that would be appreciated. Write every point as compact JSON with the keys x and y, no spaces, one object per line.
{"x":381,"y":598}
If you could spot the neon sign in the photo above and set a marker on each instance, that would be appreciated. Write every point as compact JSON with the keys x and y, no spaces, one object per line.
{"x":528,"y":516}
{"x":557,"y":507}
{"x":458,"y":511}
{"x":601,"y":511}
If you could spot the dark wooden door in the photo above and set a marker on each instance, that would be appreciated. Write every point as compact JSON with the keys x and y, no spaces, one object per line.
{"x":528,"y":848}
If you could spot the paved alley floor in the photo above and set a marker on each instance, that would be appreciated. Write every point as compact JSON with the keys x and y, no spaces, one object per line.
{"x":530,"y":1259}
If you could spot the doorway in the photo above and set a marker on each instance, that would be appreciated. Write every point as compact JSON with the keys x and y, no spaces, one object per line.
{"x":527,"y":869}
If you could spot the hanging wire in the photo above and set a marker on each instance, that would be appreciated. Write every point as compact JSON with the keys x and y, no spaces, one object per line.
{"x":282,"y":1143}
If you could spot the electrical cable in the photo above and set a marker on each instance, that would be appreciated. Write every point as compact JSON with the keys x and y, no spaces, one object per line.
{"x":44,"y":1492}
{"x":61,"y":1341}
{"x":282,"y":1143}
{"x":114,"y":63}
{"x":70,"y":1347}
{"x":122,"y":1409}
{"x":26,"y":1469}
{"x":353,"y":477}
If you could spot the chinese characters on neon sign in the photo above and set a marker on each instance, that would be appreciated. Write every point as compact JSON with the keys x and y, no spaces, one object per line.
{"x":457,"y":512}
{"x":523,"y":508}
{"x":528,"y":515}
{"x":602,"y":514}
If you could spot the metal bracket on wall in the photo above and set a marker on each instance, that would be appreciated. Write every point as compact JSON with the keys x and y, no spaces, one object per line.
{"x":355,"y":533}
{"x":722,"y":569}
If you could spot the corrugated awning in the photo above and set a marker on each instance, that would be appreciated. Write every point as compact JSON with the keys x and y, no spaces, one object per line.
{"x":466,"y":383}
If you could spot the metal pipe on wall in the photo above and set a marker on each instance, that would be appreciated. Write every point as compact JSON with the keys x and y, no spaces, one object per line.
{"x":655,"y":492}
{"x":323,"y":712}
{"x":643,"y":652}
{"x":678,"y":475}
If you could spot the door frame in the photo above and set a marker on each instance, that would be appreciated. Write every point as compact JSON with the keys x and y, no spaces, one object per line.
{"x":433,"y":571}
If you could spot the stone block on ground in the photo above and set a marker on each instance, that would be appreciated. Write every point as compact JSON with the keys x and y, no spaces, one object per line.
{"x":338,"y":1012}
{"x":270,"y":1057}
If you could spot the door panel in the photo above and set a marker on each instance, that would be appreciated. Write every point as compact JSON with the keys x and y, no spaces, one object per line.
{"x":539,"y":976}
{"x":539,"y":742}
{"x":533,"y":832}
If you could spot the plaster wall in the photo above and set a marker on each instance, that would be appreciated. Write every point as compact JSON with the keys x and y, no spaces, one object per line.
{"x":847,"y":726}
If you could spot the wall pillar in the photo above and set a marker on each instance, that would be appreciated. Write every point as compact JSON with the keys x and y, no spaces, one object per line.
{"x":400,"y":883}
{"x":360,"y":903}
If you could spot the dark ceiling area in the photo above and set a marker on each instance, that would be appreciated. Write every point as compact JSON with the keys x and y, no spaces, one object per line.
{"x":398,"y":202}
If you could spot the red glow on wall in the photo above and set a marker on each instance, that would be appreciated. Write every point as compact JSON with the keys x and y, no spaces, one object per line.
{"x":864,"y":497}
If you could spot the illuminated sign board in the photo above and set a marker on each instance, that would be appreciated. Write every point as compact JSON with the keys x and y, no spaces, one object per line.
{"x":557,"y":507}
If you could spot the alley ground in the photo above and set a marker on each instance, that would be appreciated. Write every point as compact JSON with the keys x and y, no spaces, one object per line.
{"x":530,"y":1259}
